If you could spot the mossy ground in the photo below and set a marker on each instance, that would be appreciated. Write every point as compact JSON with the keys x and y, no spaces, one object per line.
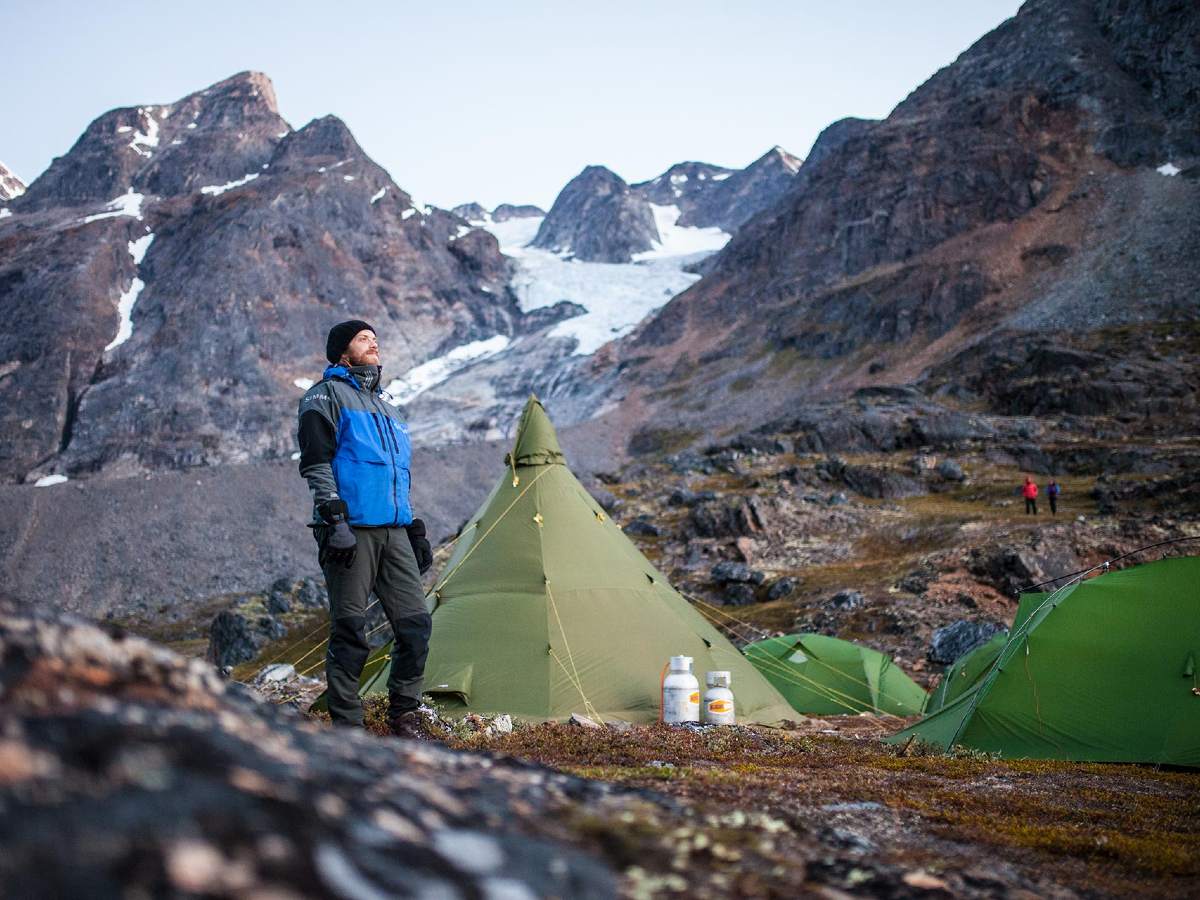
{"x":1107,"y":830}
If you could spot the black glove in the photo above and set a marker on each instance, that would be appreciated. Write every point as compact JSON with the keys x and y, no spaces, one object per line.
{"x":340,"y":544}
{"x":421,"y":549}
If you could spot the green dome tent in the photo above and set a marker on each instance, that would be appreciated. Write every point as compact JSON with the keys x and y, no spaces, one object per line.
{"x":546,"y":608}
{"x":826,"y":676}
{"x":1104,"y":670}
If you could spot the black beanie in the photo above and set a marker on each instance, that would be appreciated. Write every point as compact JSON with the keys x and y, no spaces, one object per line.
{"x":340,"y":336}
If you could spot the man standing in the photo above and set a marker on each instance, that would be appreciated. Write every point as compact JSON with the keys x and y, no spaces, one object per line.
{"x":355,"y":456}
{"x":1030,"y":492}
{"x":1052,"y":492}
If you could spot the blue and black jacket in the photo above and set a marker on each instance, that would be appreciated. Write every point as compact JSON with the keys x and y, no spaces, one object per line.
{"x":354,"y":446}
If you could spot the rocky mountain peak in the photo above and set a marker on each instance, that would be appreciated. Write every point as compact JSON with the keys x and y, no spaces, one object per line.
{"x":10,"y":185}
{"x":471,"y":212}
{"x":709,"y":196}
{"x":778,"y":157}
{"x":598,"y":218}
{"x":682,"y":183}
{"x":325,"y":139}
{"x":209,"y":137}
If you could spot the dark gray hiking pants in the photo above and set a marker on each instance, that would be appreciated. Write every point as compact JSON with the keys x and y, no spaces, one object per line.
{"x":385,"y":565}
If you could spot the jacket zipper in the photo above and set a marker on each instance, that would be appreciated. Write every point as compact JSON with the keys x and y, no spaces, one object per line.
{"x":380,"y":425}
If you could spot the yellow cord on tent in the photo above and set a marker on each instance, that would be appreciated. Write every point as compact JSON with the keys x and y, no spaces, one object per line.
{"x":491,"y":528}
{"x":578,"y":682}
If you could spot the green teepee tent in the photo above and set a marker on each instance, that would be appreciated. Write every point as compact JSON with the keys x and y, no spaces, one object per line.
{"x":827,"y":676}
{"x":972,"y":667}
{"x":1104,"y":670}
{"x":546,"y":608}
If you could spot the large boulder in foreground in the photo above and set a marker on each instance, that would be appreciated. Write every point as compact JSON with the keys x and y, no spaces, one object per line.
{"x":126,"y":770}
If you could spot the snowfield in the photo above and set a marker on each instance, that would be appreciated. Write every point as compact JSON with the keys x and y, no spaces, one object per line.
{"x":617,"y":296}
{"x":420,"y":379}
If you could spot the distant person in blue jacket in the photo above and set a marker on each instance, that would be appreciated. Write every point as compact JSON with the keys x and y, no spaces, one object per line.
{"x":356,"y":457}
{"x":1052,"y":492}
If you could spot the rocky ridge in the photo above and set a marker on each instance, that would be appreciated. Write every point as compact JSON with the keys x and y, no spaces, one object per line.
{"x":171,"y":234}
{"x":1021,"y":189}
{"x":743,"y":193}
{"x":599,"y":218}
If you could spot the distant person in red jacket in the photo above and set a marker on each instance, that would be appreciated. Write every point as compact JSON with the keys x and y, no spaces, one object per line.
{"x":1029,"y":492}
{"x":1052,"y":492}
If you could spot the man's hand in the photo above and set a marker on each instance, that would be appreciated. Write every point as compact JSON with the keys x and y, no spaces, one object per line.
{"x":420,"y":545}
{"x":340,"y":544}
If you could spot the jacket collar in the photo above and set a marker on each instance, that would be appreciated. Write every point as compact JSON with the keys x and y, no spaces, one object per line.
{"x":363,"y":378}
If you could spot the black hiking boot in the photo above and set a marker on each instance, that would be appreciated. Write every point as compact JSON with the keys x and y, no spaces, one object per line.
{"x":408,"y":724}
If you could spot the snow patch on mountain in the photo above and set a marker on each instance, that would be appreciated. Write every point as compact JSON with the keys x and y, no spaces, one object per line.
{"x":128,"y":204}
{"x":137,"y":250}
{"x":217,"y":189}
{"x":378,"y":195}
{"x":421,"y":378}
{"x":617,"y":296}
{"x":50,"y":480}
{"x":676,"y":241}
{"x":144,"y":141}
{"x":1168,"y":169}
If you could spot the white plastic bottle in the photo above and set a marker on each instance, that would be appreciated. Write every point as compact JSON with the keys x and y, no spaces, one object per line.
{"x":718,"y":700}
{"x":681,"y":692}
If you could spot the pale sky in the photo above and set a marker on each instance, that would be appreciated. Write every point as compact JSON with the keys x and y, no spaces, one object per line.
{"x":487,"y":101}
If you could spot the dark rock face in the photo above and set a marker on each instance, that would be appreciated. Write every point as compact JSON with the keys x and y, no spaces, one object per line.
{"x":263,"y":237}
{"x":738,"y":518}
{"x":170,"y":782}
{"x":10,"y":185}
{"x":869,"y":481}
{"x":734,"y":572}
{"x":962,"y":637}
{"x":597,"y":218}
{"x":731,"y":202}
{"x":1019,"y":375}
{"x":642,"y":528}
{"x":506,"y":211}
{"x":237,"y":637}
{"x":1013,"y":569}
{"x":239,"y":633}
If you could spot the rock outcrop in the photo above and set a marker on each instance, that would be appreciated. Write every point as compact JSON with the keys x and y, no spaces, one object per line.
{"x":125,"y":769}
{"x":598,"y":218}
